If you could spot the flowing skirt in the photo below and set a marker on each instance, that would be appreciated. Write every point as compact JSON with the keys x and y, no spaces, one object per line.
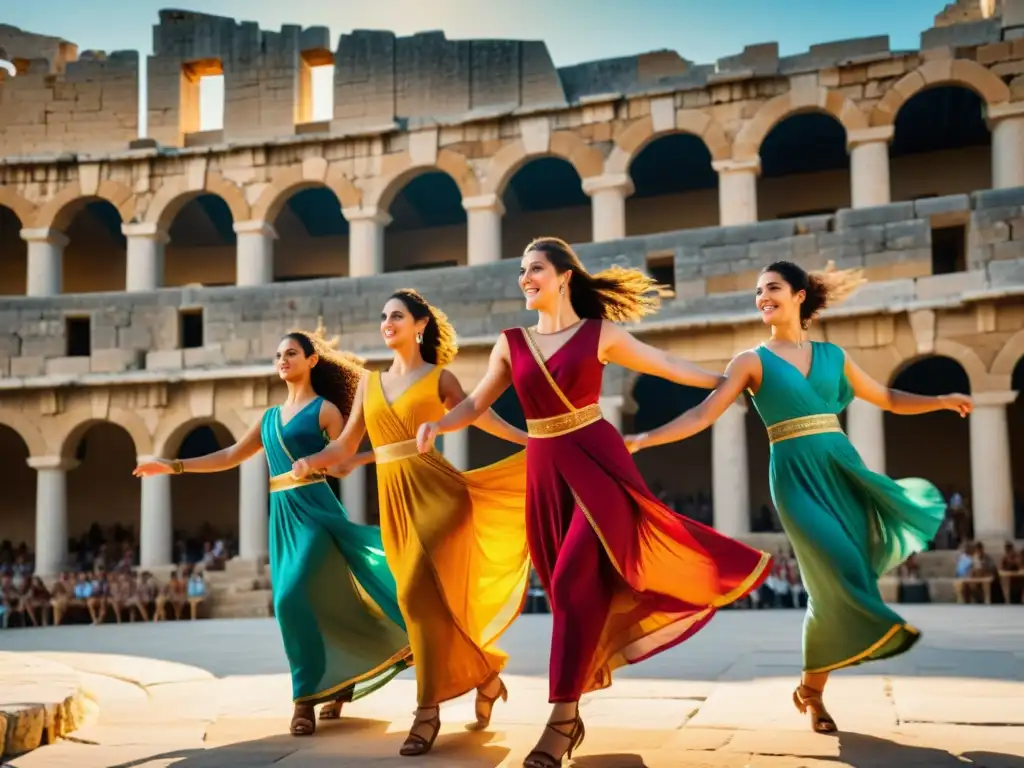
{"x":334,"y":598}
{"x":627,"y":577}
{"x":456,"y":543}
{"x":848,"y":526}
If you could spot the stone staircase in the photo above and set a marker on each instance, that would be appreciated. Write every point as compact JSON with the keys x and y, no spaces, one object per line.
{"x":240,"y":591}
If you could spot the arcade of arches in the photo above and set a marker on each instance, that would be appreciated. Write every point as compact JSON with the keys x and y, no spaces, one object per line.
{"x":806,"y":163}
{"x":56,"y":488}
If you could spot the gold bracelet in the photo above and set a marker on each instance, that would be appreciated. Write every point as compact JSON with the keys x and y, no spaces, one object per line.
{"x":177,"y":467}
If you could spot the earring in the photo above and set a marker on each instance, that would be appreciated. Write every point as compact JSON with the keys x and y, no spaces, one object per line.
{"x":419,"y":338}
{"x":561,"y":290}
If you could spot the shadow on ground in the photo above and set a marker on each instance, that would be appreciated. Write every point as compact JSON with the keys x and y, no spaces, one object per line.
{"x":861,"y":751}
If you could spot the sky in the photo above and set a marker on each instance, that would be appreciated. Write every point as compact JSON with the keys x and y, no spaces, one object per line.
{"x":574,"y":30}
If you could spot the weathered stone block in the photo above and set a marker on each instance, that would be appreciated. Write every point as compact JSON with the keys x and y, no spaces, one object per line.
{"x":116,"y":360}
{"x":22,"y":367}
{"x":987,"y":234}
{"x":1013,"y":249}
{"x":204,"y":357}
{"x":876,"y":214}
{"x":68,"y":366}
{"x":999,"y":273}
{"x":902,"y":235}
{"x":933,"y":206}
{"x":165,"y":360}
{"x":998,"y":198}
{"x":942,"y":286}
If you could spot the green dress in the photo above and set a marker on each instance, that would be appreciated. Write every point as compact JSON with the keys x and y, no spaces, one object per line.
{"x":334,"y":597}
{"x":847,"y":524}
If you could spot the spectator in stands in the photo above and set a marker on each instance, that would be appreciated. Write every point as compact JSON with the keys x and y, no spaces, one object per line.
{"x":172,"y":593}
{"x":1011,"y":563}
{"x":912,"y":588}
{"x":965,"y":562}
{"x":10,"y":600}
{"x":196,"y":590}
{"x":120,"y":593}
{"x":61,"y":596}
{"x":34,"y":601}
{"x":147,"y":595}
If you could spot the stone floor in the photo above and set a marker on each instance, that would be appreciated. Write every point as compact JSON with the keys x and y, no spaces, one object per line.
{"x":215,"y":693}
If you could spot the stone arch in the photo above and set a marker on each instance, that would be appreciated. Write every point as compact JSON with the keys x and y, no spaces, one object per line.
{"x":314,"y":172}
{"x":963,"y":72}
{"x":747,"y":145}
{"x":26,"y":430}
{"x":175,"y":194}
{"x":74,"y":425}
{"x":1008,"y":357}
{"x":23,"y":209}
{"x":965,"y":356}
{"x":400,"y":169}
{"x":585,"y":159}
{"x":170,"y":434}
{"x":58,"y":212}
{"x":631,"y":142}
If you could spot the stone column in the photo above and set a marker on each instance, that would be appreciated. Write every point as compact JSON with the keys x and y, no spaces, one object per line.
{"x":1006,"y":121}
{"x":730,"y":482}
{"x":484,"y":214}
{"x":353,"y":495}
{"x":456,"y":449}
{"x":991,"y":478}
{"x":869,"y":166}
{"x":51,"y":512}
{"x":45,"y":261}
{"x":366,"y":240}
{"x":737,"y":191}
{"x":253,"y":507}
{"x":145,"y":270}
{"x":611,"y":407}
{"x":608,"y":195}
{"x":865,"y":426}
{"x":254,"y":253}
{"x":156,"y":529}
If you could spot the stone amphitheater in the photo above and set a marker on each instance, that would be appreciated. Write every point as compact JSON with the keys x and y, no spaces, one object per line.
{"x":149,"y":262}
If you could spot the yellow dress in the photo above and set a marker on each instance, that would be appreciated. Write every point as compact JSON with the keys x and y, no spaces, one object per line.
{"x":455,"y":542}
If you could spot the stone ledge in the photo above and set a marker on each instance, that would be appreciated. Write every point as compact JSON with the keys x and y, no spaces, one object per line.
{"x":60,"y":705}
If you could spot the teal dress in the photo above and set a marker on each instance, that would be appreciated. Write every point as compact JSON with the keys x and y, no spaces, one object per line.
{"x":847,"y":524}
{"x":334,"y":597}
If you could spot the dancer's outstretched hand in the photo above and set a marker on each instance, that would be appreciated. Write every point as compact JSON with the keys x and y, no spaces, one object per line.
{"x":426,"y":435}
{"x":153,"y":468}
{"x":301,"y":469}
{"x":962,"y":404}
{"x":634,"y":443}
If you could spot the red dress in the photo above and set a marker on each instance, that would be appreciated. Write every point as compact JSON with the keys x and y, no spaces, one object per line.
{"x":626,"y":576}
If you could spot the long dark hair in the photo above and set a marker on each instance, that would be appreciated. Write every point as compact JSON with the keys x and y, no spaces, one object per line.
{"x":616,"y":293}
{"x":439,"y":345}
{"x":821,"y":289}
{"x":336,"y":375}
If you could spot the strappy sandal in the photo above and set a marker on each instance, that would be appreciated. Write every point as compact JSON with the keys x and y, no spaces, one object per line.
{"x":576,"y":734}
{"x":303,"y":723}
{"x":416,"y":745}
{"x":809,"y":699}
{"x":485,"y":704}
{"x":332,"y":709}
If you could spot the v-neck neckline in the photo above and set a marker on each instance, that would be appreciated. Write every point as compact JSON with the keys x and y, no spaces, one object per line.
{"x":533,"y":339}
{"x":392,"y":403}
{"x":295,"y":415}
{"x":801,"y":374}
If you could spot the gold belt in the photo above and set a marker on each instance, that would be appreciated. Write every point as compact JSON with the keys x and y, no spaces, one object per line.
{"x":286,"y":481}
{"x":555,"y":426}
{"x":803,"y":426}
{"x":395,"y":451}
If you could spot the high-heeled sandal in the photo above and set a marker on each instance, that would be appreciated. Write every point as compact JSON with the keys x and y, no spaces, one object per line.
{"x":539,"y":759}
{"x":303,"y":723}
{"x":485,"y":704}
{"x":332,"y":709}
{"x":806,"y":698}
{"x":416,"y":745}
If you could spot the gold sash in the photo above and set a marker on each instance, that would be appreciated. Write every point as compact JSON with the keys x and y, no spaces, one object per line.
{"x":395,"y":451}
{"x":563,"y":424}
{"x":803,"y":426}
{"x":286,"y":481}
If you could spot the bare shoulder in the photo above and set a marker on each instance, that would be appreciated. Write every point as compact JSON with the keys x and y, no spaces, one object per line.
{"x":746,"y":362}
{"x":329,"y":410}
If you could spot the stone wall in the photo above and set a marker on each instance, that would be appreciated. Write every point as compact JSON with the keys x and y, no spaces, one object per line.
{"x":715,"y":269}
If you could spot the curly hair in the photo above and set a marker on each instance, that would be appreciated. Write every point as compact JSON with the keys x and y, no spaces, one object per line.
{"x":617,"y":293}
{"x":439,"y":345}
{"x":336,"y":375}
{"x":822,"y":289}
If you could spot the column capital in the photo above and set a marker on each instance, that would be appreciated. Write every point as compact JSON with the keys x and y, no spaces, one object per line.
{"x":374,"y":215}
{"x":491,"y":202}
{"x":147,"y":230}
{"x":609,"y":181}
{"x":263,"y":228}
{"x":52,"y":462}
{"x":998,"y":112}
{"x":45,"y":235}
{"x":994,"y":398}
{"x":749,"y":165}
{"x":875,"y":135}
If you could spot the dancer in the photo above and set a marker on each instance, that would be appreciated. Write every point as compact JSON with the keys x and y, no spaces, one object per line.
{"x":626,"y":577}
{"x":847,"y":524}
{"x":334,"y":597}
{"x":456,"y":541}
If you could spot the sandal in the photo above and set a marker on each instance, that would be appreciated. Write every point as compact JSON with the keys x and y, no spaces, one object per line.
{"x":485,"y":704}
{"x":332,"y":709}
{"x":416,"y":745}
{"x":576,"y":734}
{"x":809,"y":699}
{"x":303,"y":723}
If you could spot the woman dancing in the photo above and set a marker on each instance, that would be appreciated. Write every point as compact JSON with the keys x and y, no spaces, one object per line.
{"x":626,"y":577}
{"x":847,"y":524}
{"x":334,"y":597}
{"x":456,"y":541}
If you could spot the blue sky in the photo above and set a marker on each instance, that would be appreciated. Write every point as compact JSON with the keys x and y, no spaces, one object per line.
{"x":575,"y":30}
